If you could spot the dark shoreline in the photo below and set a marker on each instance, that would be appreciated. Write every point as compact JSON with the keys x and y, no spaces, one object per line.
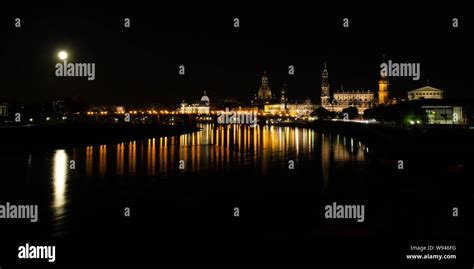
{"x":444,"y":148}
{"x":55,"y":135}
{"x":394,"y":137}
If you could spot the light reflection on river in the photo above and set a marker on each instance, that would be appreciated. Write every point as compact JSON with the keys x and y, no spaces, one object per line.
{"x":221,"y":148}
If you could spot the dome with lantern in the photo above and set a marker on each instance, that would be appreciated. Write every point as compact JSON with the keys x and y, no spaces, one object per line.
{"x":205,"y":99}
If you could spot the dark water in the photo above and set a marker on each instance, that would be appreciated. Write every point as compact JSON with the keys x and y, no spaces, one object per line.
{"x":187,"y":215}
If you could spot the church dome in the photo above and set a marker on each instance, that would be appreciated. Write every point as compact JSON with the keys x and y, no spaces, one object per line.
{"x":205,"y":99}
{"x":264,"y":92}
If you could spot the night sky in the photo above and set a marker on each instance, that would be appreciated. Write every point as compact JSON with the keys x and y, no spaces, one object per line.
{"x":140,"y":64}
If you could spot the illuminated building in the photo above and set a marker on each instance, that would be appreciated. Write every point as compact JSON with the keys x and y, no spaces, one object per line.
{"x":302,"y":109}
{"x":201,"y":107}
{"x":449,"y":112}
{"x":442,"y":114}
{"x":104,"y":110}
{"x":361,"y":100}
{"x":426,"y":92}
{"x":325,"y":88}
{"x":290,"y":108}
{"x":265,"y":101}
{"x":120,"y":110}
{"x":383,"y":94}
{"x":383,"y":91}
{"x":246,"y":109}
{"x":264,"y":94}
{"x":3,"y":110}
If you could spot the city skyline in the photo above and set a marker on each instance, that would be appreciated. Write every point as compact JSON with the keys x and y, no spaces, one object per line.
{"x":140,"y":64}
{"x":306,"y":134}
{"x":291,"y":93}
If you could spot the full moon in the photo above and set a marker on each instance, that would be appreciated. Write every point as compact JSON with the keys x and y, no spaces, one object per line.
{"x":62,"y":55}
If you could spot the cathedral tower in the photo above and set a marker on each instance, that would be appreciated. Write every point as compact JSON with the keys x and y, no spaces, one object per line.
{"x":325,"y":88}
{"x":383,"y":89}
{"x":264,"y":92}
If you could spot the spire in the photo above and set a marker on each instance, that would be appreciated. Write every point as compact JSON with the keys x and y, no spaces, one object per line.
{"x":427,"y":82}
{"x":283,"y":94}
{"x":264,"y":78}
{"x":325,"y":71}
{"x":264,"y":92}
{"x":325,"y":83}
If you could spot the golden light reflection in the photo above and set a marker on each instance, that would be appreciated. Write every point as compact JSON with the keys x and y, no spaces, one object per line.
{"x":255,"y":135}
{"x":151,"y":155}
{"x":228,"y":135}
{"x":132,"y":157}
{"x":248,"y":137}
{"x":102,"y":160}
{"x":341,"y":153}
{"x":193,"y":153}
{"x":60,"y":168}
{"x":245,"y":138}
{"x":297,"y":141}
{"x":325,"y":157}
{"x":120,"y":158}
{"x":165,"y":155}
{"x":89,"y":160}
{"x":262,"y":147}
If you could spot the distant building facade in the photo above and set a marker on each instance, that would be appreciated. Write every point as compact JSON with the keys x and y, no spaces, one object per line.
{"x":201,"y":107}
{"x":264,"y":94}
{"x":426,"y":92}
{"x":449,"y":112}
{"x":361,"y":100}
{"x":445,"y":114}
{"x":300,"y":109}
{"x":383,"y":94}
{"x":3,"y":110}
{"x":106,"y":109}
{"x":292,"y":108}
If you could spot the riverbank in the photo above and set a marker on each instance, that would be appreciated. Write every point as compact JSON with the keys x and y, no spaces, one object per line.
{"x":445,"y":150}
{"x":376,"y":134}
{"x":394,"y":138}
{"x":436,"y":146}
